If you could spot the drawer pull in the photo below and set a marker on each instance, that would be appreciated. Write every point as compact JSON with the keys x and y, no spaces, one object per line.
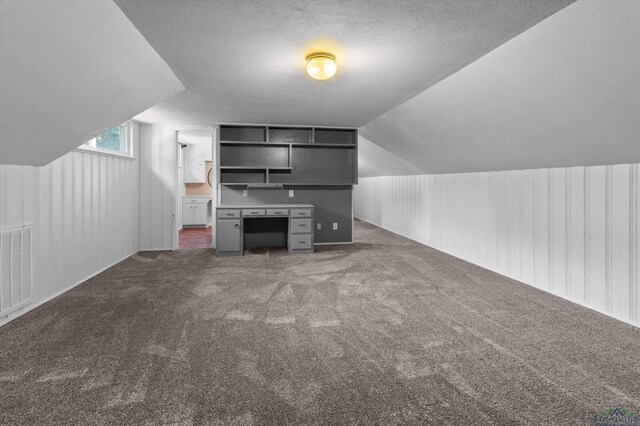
{"x":302,"y":242}
{"x":229,"y":214}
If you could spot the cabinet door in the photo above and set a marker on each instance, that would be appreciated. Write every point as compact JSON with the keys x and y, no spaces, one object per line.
{"x":200,"y":216}
{"x":194,"y":165}
{"x":228,"y":235}
{"x":187,"y":214}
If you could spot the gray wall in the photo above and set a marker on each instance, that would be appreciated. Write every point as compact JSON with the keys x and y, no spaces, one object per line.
{"x":333,"y":204}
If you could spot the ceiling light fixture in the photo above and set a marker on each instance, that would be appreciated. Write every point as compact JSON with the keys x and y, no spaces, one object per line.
{"x":321,"y":65}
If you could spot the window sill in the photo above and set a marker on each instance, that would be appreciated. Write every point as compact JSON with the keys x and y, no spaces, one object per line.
{"x":106,"y":153}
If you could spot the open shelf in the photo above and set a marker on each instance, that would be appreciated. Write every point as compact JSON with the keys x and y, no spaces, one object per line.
{"x":254,"y":156}
{"x":243,"y":133}
{"x":323,"y":145}
{"x":287,"y":155}
{"x":253,"y":168}
{"x":290,"y":134}
{"x":335,"y":136}
{"x":243,"y":175}
{"x":232,"y":143}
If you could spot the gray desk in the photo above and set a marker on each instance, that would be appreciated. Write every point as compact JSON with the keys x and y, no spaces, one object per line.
{"x":267,"y":225}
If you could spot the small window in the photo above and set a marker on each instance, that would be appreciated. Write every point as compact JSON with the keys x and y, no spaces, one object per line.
{"x":112,"y":141}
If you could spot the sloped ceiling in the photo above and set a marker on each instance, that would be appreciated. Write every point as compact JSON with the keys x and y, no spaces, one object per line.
{"x":69,"y":69}
{"x":195,"y":137}
{"x":243,"y":60}
{"x":373,"y":160}
{"x":564,"y":93}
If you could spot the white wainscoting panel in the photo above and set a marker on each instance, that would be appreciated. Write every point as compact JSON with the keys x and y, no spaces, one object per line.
{"x":573,"y":231}
{"x":158,"y":182}
{"x":84,"y":208}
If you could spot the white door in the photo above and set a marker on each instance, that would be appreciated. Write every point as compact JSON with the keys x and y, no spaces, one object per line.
{"x":194,"y":164}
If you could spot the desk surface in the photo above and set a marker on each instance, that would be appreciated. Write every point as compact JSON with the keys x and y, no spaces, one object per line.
{"x":268,"y":206}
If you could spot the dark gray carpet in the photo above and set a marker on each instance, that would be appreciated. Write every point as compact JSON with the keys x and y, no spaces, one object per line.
{"x":382,"y":332}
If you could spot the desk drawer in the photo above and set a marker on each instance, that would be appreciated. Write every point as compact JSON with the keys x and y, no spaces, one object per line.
{"x":278,"y":212}
{"x":301,"y":242}
{"x":225,"y":214}
{"x":301,"y":213}
{"x":300,"y":226}
{"x":253,"y":212}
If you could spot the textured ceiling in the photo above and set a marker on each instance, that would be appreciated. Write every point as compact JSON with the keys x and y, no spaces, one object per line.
{"x":564,"y":93}
{"x":243,"y":60}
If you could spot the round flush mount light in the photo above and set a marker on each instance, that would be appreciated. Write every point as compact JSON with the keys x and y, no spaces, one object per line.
{"x":321,"y":65}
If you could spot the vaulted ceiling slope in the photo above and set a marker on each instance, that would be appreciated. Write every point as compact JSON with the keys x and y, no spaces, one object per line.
{"x":564,"y":93}
{"x":244,"y":60}
{"x":373,"y":160}
{"x":69,"y":69}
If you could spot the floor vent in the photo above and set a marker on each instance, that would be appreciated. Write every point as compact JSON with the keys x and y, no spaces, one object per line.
{"x":16,"y":268}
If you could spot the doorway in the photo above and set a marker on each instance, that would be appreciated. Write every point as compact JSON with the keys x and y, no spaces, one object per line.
{"x":195,"y":188}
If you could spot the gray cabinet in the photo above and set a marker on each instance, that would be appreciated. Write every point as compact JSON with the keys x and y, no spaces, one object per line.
{"x":229,"y":237}
{"x":301,"y":232}
{"x":301,"y":226}
{"x":260,"y":165}
{"x":240,"y":227}
{"x":299,"y":243}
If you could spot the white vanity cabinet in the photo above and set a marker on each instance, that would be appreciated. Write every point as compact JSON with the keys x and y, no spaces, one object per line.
{"x":195,"y":211}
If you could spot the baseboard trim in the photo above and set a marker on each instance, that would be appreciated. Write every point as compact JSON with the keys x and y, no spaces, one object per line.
{"x":28,"y":308}
{"x":334,"y":244}
{"x":577,"y":302}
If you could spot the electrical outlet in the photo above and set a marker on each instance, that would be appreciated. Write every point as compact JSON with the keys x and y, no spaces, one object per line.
{"x":244,"y":192}
{"x":291,"y":193}
{"x":335,"y":226}
{"x":319,"y":226}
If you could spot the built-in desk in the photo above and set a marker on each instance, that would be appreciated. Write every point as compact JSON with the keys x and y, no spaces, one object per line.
{"x":267,"y":225}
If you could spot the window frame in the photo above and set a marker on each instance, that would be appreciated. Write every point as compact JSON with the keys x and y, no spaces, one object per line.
{"x":127,"y":153}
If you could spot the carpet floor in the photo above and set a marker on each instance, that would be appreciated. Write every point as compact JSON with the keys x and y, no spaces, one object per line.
{"x":385,"y":331}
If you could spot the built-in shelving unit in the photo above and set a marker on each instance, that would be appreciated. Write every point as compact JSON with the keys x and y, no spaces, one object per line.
{"x":286,"y":155}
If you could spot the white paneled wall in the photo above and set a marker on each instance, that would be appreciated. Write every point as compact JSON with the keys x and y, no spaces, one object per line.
{"x":158,"y":183}
{"x":85,"y":212}
{"x":573,"y":232}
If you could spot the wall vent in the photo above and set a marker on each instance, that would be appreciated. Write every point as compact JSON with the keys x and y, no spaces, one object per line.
{"x":16,"y":268}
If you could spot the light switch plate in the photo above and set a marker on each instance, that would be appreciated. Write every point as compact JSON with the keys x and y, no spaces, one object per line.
{"x":319,"y":226}
{"x":244,"y":192}
{"x":335,"y":226}
{"x":291,"y":193}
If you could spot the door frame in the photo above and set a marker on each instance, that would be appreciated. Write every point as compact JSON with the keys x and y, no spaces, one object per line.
{"x":177,"y":202}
